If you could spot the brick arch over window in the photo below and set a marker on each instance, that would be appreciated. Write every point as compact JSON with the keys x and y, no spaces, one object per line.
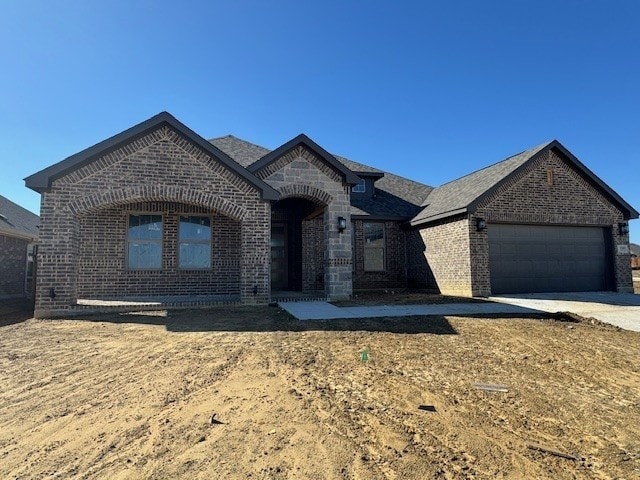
{"x":305,"y":191}
{"x":156,"y":193}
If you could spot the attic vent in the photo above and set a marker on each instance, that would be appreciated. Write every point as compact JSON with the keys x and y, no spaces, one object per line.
{"x":550,"y":176}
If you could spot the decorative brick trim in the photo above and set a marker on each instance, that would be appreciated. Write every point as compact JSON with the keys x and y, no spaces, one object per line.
{"x":296,"y":153}
{"x":156,"y":193}
{"x":150,"y":144}
{"x":308,"y":192}
{"x":332,"y":262}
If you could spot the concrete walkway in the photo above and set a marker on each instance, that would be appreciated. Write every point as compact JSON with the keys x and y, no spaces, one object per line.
{"x":326,"y":311}
{"x":620,"y":309}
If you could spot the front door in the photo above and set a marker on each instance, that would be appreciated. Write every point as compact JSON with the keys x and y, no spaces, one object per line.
{"x":279,"y":254}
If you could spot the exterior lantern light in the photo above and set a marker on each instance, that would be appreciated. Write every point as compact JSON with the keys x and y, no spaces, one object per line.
{"x":481,"y":224}
{"x":342,"y":224}
{"x":623,"y":228}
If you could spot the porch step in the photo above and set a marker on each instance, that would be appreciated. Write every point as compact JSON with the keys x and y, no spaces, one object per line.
{"x":279,"y":297}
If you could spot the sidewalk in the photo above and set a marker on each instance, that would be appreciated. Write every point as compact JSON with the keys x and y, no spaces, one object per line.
{"x":327,"y":311}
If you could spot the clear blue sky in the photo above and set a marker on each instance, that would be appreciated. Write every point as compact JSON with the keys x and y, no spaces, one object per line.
{"x":429,"y":90}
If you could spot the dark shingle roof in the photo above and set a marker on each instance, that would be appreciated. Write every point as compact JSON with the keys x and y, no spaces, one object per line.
{"x":461,"y":195}
{"x":243,"y":152}
{"x":635,"y":249}
{"x":454,"y":197}
{"x":15,"y":220}
{"x":396,"y":196}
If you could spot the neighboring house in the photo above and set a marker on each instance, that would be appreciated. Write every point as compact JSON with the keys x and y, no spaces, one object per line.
{"x":158,"y":211}
{"x":18,"y":235}
{"x":635,"y":255}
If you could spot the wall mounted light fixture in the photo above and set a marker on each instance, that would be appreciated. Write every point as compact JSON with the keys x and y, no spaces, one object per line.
{"x":623,"y":228}
{"x":481,"y":224}
{"x":342,"y":224}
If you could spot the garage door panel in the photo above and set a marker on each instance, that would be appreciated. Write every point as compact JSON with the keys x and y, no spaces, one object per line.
{"x":541,"y":258}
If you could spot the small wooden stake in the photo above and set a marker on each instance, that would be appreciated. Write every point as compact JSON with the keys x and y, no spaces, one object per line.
{"x":552,"y":451}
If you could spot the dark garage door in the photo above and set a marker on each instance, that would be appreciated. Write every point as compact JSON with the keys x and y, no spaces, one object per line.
{"x":536,"y":258}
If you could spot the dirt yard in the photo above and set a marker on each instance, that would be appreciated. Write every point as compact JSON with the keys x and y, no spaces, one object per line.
{"x":132,"y":396}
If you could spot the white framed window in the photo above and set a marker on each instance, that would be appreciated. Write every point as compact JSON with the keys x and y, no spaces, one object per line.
{"x":144,"y":242}
{"x":374,"y":247}
{"x":194,"y":239}
{"x":359,"y":187}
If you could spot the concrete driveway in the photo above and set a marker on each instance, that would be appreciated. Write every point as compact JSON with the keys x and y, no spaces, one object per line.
{"x":620,"y":309}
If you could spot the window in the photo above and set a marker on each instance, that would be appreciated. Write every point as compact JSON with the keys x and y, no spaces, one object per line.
{"x":195,"y":242}
{"x":360,"y":187}
{"x":144,"y":242}
{"x":374,"y":247}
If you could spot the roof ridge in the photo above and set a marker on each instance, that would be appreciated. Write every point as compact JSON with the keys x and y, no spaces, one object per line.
{"x":532,"y":149}
{"x":379,"y":170}
{"x":337,"y":156}
{"x":240,"y":139}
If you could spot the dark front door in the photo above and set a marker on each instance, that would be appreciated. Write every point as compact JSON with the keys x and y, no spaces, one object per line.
{"x":279,"y":257}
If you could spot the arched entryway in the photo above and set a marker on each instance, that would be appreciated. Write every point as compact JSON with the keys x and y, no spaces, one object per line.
{"x":297,"y":246}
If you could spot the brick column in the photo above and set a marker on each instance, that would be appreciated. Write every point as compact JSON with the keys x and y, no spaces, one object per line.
{"x":255,"y":272}
{"x":57,"y":274}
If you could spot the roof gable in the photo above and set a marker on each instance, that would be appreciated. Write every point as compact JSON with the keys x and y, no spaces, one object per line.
{"x":18,"y":221}
{"x":42,"y":180}
{"x":396,"y":197}
{"x":465,"y":193}
{"x":302,"y":140}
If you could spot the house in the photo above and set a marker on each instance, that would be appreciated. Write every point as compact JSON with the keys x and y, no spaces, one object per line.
{"x":18,"y":236}
{"x":158,"y":211}
{"x":635,"y":256}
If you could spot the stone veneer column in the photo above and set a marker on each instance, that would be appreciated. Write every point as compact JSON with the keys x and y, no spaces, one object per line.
{"x":338,"y":257}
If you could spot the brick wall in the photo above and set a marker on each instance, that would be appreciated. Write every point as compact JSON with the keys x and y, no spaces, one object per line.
{"x":419,"y":273}
{"x":13,"y":262}
{"x":529,"y":198}
{"x":103,"y":264}
{"x":313,"y":255}
{"x":394,"y":275}
{"x":162,"y":166}
{"x":446,"y":249}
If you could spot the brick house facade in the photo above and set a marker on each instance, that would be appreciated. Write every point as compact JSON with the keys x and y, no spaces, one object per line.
{"x":18,"y":237}
{"x":158,"y":211}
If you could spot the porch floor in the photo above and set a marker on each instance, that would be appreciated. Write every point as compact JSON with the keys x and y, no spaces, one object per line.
{"x":162,"y":301}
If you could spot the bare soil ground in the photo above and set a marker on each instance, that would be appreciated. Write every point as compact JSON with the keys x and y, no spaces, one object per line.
{"x":131,"y":396}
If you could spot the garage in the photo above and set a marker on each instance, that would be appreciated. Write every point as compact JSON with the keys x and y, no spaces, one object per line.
{"x":543,"y":258}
